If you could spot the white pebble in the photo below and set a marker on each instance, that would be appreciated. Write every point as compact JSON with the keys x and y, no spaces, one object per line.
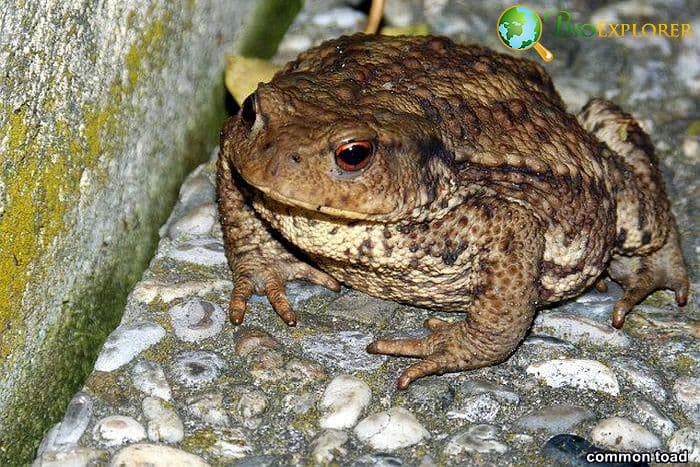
{"x":67,"y":433}
{"x":203,"y":251}
{"x":118,"y":429}
{"x":231,"y":443}
{"x":344,"y":350}
{"x":77,"y":457}
{"x":329,"y":445}
{"x":621,"y":434}
{"x":126,"y":342}
{"x":148,"y":290}
{"x":577,"y":373}
{"x":149,"y":378}
{"x":343,"y":402}
{"x":151,"y":455}
{"x":394,"y":429}
{"x":163,"y":423}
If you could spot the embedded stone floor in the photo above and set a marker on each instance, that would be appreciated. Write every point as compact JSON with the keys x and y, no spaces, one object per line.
{"x":177,"y":383}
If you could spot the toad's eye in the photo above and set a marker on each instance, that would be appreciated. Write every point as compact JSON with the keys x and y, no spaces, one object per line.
{"x":248,"y":109}
{"x":354,"y":156}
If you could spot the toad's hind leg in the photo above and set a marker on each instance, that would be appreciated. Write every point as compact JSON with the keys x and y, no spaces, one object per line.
{"x":504,"y":305}
{"x":641,"y":275}
{"x":647,"y":255}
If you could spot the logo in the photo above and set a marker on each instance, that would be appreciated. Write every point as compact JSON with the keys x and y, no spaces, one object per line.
{"x":520,"y":28}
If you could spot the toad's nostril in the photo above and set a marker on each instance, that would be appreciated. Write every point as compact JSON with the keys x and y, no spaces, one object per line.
{"x":274,"y":168}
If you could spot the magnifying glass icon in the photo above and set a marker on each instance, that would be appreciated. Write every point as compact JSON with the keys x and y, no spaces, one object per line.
{"x":520,"y":28}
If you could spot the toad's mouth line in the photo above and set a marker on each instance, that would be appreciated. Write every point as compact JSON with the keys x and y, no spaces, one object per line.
{"x":312,"y":207}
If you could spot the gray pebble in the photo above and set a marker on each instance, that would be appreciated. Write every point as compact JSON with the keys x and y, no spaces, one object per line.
{"x":209,"y":408}
{"x":556,"y":418}
{"x":475,"y":439}
{"x":196,"y":319}
{"x":476,"y":408}
{"x":197,"y":368}
{"x":481,"y":386}
{"x":344,"y":350}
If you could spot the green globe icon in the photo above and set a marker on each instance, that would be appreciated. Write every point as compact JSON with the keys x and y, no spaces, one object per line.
{"x":520,"y":27}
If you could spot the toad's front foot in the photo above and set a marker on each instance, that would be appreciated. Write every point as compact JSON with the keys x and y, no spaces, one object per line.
{"x":447,"y":349}
{"x":267,"y":274}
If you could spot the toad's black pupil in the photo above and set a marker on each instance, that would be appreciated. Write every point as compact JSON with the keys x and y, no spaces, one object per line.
{"x":354,"y":154}
{"x":248,"y":109}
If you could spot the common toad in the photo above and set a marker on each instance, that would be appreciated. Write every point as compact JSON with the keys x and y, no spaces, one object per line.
{"x":444,"y":176}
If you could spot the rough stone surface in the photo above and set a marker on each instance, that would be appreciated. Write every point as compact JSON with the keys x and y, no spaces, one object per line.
{"x":263,"y":404}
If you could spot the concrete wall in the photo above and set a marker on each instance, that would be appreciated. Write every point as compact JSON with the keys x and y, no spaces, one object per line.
{"x":104,"y":107}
